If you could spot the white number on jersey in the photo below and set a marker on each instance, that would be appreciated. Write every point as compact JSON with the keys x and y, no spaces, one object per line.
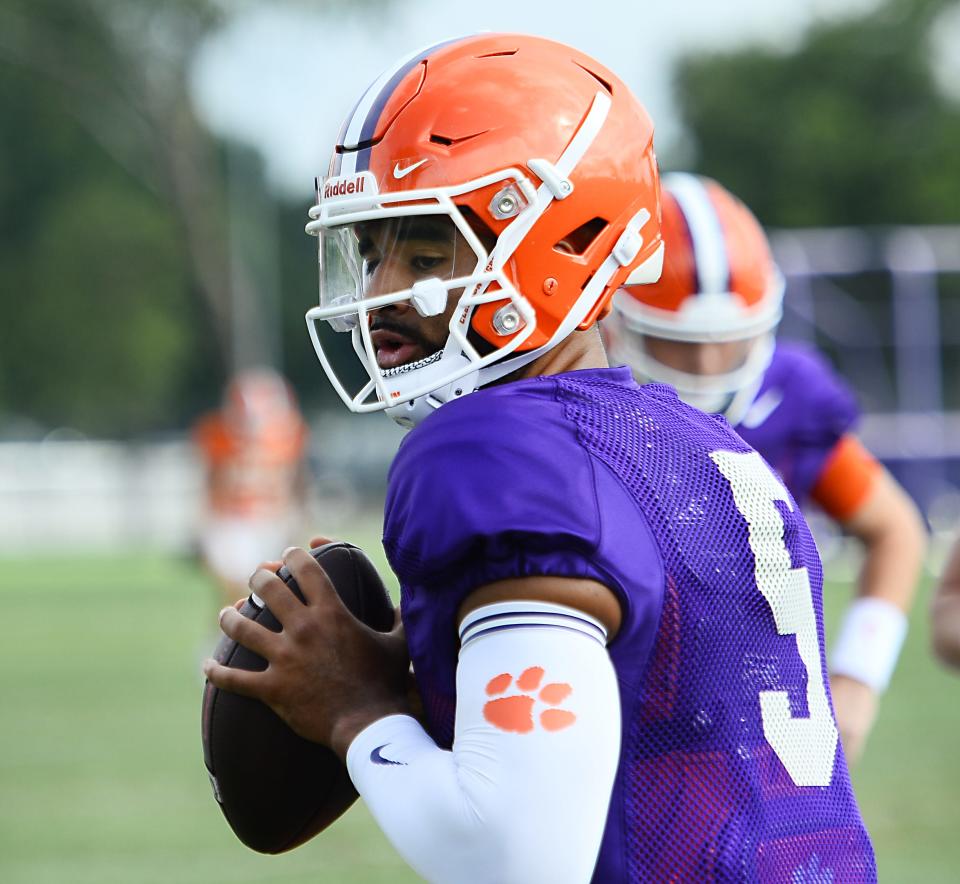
{"x":806,"y":746}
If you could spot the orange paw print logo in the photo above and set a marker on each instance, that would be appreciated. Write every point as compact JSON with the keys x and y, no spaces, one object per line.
{"x":514,"y":712}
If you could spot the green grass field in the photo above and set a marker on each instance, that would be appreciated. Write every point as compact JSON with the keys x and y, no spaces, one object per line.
{"x":101,"y":777}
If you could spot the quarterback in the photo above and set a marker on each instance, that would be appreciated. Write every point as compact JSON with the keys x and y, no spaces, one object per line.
{"x":612,"y":606}
{"x":707,"y":328}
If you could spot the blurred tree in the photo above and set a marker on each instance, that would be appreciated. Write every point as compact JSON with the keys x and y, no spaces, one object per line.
{"x":849,"y":127}
{"x":113,"y":261}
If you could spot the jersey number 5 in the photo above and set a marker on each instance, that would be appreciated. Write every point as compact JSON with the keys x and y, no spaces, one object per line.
{"x":806,"y":746}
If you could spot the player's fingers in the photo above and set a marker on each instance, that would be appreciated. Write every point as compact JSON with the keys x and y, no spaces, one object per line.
{"x":276,"y":595}
{"x":239,"y":603}
{"x":319,"y":541}
{"x":237,"y":681}
{"x":270,"y":565}
{"x":246,"y":632}
{"x":310,"y":576}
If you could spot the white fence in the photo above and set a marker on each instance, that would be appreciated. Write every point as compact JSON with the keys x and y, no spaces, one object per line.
{"x":80,"y":495}
{"x":99,"y":495}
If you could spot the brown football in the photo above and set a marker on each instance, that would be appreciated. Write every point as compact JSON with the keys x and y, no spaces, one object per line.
{"x":275,"y":788}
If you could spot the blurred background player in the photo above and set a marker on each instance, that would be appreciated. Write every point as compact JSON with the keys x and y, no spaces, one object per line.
{"x":707,"y":329}
{"x":253,"y":450}
{"x":945,"y":612}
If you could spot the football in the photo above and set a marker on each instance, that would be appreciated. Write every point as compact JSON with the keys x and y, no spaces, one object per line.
{"x":276,"y":789}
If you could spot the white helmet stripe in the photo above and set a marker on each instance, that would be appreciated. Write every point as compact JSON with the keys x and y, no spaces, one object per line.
{"x":355,"y":125}
{"x":706,"y":232}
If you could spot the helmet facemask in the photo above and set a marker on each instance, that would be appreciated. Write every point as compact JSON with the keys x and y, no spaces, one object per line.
{"x":416,"y":250}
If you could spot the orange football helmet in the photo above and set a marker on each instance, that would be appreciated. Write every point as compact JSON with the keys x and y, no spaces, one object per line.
{"x":719,"y":284}
{"x":543,"y":161}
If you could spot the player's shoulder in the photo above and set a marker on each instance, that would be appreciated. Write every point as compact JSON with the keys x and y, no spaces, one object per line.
{"x":797,"y":362}
{"x":501,"y":463}
{"x":813,"y":394}
{"x":487,"y":412}
{"x":508,"y":439}
{"x":211,"y":436}
{"x":806,"y":376}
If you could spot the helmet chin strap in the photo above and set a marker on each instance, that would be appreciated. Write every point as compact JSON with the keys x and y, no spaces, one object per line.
{"x":410,"y":413}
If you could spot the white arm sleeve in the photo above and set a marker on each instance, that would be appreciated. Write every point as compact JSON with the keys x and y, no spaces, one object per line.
{"x":523,"y":795}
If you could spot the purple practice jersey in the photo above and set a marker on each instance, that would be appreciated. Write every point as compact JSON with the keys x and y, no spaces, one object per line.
{"x":730,"y":766}
{"x":800,"y":412}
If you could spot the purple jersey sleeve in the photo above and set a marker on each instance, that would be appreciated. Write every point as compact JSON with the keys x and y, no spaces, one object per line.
{"x":497,"y":486}
{"x":801,"y":411}
{"x":477,"y":496}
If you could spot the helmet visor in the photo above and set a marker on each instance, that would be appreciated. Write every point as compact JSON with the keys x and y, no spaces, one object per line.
{"x":381,"y":262}
{"x":396,"y":283}
{"x":403,"y":275}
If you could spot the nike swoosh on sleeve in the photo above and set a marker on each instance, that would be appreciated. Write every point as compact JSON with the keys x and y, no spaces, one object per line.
{"x":377,"y":758}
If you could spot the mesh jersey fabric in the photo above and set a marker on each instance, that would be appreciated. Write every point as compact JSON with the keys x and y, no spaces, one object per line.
{"x":802,"y":409}
{"x":586,"y":474}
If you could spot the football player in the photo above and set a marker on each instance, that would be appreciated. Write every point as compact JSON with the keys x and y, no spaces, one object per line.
{"x":611,"y":604}
{"x":255,"y":478}
{"x":707,"y":329}
{"x":945,"y":612}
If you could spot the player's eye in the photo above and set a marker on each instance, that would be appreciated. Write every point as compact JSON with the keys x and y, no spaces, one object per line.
{"x":424,"y":263}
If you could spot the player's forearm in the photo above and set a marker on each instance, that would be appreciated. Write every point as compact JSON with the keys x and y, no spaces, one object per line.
{"x":894,"y":549}
{"x":875,"y":625}
{"x":523,"y":795}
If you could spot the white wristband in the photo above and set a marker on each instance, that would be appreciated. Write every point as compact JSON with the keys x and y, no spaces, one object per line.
{"x":869,"y":642}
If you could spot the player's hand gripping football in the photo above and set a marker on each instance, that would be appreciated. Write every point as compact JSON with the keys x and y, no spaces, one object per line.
{"x":328,"y":675}
{"x":855,"y":705}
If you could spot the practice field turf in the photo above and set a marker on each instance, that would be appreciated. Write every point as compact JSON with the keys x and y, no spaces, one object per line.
{"x":101,"y":777}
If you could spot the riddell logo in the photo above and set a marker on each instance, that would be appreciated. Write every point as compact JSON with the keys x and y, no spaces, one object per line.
{"x":342,"y":188}
{"x":355,"y":185}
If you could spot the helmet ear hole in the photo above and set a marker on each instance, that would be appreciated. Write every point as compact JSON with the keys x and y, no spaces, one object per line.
{"x":577,"y":241}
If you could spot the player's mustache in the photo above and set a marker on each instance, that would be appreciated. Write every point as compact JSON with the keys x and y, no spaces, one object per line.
{"x":411,"y":334}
